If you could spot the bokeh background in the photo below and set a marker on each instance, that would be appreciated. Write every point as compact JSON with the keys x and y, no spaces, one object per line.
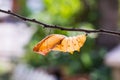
{"x":97,"y":60}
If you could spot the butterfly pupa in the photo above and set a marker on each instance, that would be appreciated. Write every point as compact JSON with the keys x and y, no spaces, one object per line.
{"x":57,"y":42}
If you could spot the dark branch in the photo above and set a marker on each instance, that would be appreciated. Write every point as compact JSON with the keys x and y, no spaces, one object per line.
{"x":59,"y":27}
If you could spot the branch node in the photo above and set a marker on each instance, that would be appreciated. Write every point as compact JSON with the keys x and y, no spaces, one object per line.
{"x":33,"y":20}
{"x":24,"y":19}
{"x":101,"y":30}
{"x":44,"y":26}
{"x":61,"y":29}
{"x":9,"y":11}
{"x":87,"y":32}
{"x":55,"y":25}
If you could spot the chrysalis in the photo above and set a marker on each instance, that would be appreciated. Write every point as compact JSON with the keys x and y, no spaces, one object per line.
{"x":57,"y":42}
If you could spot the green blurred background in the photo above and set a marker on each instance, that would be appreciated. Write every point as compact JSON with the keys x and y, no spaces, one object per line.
{"x":85,"y":14}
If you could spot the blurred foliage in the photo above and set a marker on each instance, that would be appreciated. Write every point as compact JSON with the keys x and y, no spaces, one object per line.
{"x":24,"y":9}
{"x":102,"y":73}
{"x":66,"y":13}
{"x":63,"y":10}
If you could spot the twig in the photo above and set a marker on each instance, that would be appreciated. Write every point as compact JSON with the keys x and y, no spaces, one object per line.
{"x":59,"y":27}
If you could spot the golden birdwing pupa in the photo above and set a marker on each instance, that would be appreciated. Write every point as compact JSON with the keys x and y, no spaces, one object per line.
{"x":58,"y":42}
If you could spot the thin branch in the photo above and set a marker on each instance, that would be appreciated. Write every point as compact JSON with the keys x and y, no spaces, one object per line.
{"x":59,"y":27}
